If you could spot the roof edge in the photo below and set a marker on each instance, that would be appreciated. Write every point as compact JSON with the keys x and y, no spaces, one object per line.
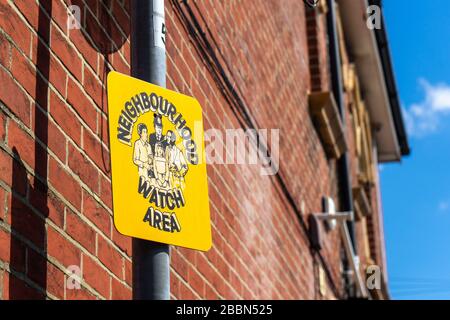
{"x":391,"y":85}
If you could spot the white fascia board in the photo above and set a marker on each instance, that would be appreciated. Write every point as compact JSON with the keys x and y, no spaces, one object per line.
{"x":363,"y":50}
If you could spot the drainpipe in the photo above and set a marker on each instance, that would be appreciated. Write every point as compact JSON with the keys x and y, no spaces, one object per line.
{"x":336,"y":77}
{"x":151,"y":260}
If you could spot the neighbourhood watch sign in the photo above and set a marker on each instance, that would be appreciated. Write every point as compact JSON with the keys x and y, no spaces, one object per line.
{"x":159,"y":180}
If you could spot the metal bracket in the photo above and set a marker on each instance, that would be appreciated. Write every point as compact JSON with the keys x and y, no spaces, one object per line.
{"x":341,"y":218}
{"x":338,"y":216}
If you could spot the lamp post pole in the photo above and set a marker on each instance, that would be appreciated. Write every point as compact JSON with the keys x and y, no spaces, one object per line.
{"x":151,"y":260}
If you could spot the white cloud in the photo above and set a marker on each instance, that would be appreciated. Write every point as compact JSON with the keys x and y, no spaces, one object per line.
{"x":444,"y":206}
{"x":424,"y":117}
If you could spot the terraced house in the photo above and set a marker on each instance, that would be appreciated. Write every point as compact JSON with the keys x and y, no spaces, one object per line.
{"x":313,"y":229}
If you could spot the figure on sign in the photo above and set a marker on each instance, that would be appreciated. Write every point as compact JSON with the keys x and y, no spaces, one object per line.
{"x":142,"y":152}
{"x":159,"y":160}
{"x":161,"y":167}
{"x":157,"y":136}
{"x":177,"y":162}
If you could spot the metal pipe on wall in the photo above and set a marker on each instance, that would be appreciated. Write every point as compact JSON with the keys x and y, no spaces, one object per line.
{"x":336,"y":77}
{"x":151,"y":260}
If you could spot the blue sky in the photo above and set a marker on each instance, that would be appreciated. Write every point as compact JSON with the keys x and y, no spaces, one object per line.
{"x":416,"y":192}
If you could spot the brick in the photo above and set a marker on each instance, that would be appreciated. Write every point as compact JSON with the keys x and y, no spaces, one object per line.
{"x":196,"y":282}
{"x":14,"y":97}
{"x":37,"y":268}
{"x":210,"y":293}
{"x":23,"y":72}
{"x":102,"y":71}
{"x":82,"y":105}
{"x":121,"y":17}
{"x":96,"y":151}
{"x":31,"y":12}
{"x":26,"y":222}
{"x":3,"y":123}
{"x":105,"y":191}
{"x":55,"y":209}
{"x":58,"y":13}
{"x":110,"y":257}
{"x":96,"y":276}
{"x":17,"y":255}
{"x":17,"y":289}
{"x":5,"y":52}
{"x":120,"y":291}
{"x":83,"y":168}
{"x":49,"y":134}
{"x":1,"y":283}
{"x":186,"y":293}
{"x":46,"y":202}
{"x":115,"y":33}
{"x":66,"y":53}
{"x":50,"y":68}
{"x":179,"y":264}
{"x":128,"y":272}
{"x":96,"y":213}
{"x":126,"y":5}
{"x":221,"y":265}
{"x":13,"y":173}
{"x":57,"y":76}
{"x":61,"y":249}
{"x":93,"y":87}
{"x":119,"y":63}
{"x":4,"y":245}
{"x":2,"y":204}
{"x":126,"y":51}
{"x":204,"y":268}
{"x":55,"y":281}
{"x":14,"y":26}
{"x":22,"y":142}
{"x":123,"y":242}
{"x":84,"y":46}
{"x":64,"y":183}
{"x":100,"y":39}
{"x":80,"y":231}
{"x":79,"y":294}
{"x":174,"y":286}
{"x":103,"y":130}
{"x":4,"y":286}
{"x":65,"y":118}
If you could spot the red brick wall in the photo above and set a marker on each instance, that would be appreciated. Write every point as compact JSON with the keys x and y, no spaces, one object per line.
{"x":55,"y":197}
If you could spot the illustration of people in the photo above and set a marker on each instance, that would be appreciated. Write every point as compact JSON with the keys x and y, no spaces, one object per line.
{"x":161,"y":167}
{"x":157,"y":136}
{"x":176,"y":162}
{"x":142,"y":152}
{"x":158,"y":158}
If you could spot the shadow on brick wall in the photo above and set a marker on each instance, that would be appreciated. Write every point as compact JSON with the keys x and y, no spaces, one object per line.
{"x":24,"y":259}
{"x":105,"y":28}
{"x":28,"y":262}
{"x":102,"y":24}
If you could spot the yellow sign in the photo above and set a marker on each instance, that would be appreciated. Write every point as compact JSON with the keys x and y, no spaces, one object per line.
{"x":159,"y":181}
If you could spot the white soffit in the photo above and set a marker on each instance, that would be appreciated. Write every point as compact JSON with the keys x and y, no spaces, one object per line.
{"x":363,"y":50}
